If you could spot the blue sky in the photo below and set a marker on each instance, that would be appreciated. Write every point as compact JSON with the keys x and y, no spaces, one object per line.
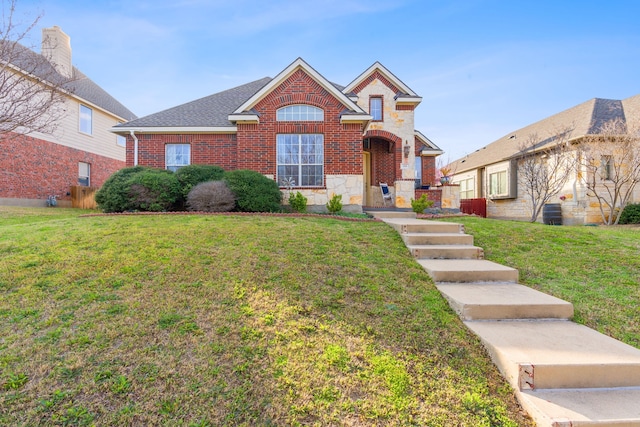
{"x":483,"y":67}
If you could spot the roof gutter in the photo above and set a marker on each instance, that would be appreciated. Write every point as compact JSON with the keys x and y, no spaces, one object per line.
{"x":135,"y":147}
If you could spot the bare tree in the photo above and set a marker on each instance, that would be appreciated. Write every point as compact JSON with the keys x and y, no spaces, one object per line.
{"x":32,"y":92}
{"x":544,"y":167}
{"x":611,"y":159}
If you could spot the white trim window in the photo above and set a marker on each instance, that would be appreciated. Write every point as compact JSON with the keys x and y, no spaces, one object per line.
{"x":177,"y":156}
{"x":375,"y":108}
{"x":300,"y":113}
{"x":301,"y":158}
{"x":86,"y":120}
{"x":84,"y":174}
{"x":467,"y":188}
{"x":498,"y":184}
{"x":500,"y":181}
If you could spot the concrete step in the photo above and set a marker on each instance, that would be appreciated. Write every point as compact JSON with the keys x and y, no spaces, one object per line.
{"x":408,"y":225}
{"x":487,"y":300}
{"x":391,"y":214}
{"x":557,"y":354}
{"x":468,"y":270}
{"x":446,"y":251}
{"x":436,"y":239}
{"x":583,"y":407}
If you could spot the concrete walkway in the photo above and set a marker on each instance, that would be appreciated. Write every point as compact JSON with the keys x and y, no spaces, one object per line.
{"x":564,"y":374}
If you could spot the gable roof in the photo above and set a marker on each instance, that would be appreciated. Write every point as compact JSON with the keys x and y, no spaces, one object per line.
{"x":209,"y":113}
{"x":79,"y":86}
{"x":583,"y":119}
{"x":219,"y":112}
{"x":403,"y":92}
{"x":429,"y":146}
{"x":285,"y":74}
{"x":86,"y":89}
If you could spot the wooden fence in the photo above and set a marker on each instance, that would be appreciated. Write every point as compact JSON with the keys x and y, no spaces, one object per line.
{"x":474,"y":207}
{"x":83,"y":197}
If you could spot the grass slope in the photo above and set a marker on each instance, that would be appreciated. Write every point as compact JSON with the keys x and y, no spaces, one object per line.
{"x":595,"y":268}
{"x":223,"y":320}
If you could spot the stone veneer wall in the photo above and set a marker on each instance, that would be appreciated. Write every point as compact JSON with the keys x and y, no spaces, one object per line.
{"x":349,"y":186}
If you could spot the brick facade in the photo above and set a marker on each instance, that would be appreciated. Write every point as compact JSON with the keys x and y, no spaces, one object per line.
{"x":32,"y":168}
{"x":342,"y":142}
{"x":206,"y":149}
{"x":254,"y":145}
{"x":252,"y":141}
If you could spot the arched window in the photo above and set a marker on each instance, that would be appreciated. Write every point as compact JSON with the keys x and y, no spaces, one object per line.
{"x":300,"y":113}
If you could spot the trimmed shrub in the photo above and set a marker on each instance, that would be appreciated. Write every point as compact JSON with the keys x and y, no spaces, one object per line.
{"x":419,"y":205}
{"x":254,"y":192}
{"x":298,"y":202}
{"x":212,"y":196}
{"x":155,"y":190}
{"x":335,"y":204}
{"x":114,"y":196}
{"x":630,"y":214}
{"x":192,"y":175}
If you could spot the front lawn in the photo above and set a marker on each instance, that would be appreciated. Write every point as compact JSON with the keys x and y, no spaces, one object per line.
{"x":230,"y":320}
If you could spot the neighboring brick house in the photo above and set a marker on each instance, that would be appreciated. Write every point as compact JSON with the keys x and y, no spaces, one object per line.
{"x":327,"y":138}
{"x":81,"y":151}
{"x":492,"y":171}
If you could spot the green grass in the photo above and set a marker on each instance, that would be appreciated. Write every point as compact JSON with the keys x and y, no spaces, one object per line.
{"x":230,"y":320}
{"x":595,"y":268}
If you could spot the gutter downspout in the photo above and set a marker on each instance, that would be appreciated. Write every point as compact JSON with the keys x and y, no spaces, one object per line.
{"x":135,"y":147}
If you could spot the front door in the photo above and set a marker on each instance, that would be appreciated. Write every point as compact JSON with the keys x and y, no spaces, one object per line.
{"x":366,"y":172}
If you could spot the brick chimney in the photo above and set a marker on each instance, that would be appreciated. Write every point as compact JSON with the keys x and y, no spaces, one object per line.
{"x":56,"y":47}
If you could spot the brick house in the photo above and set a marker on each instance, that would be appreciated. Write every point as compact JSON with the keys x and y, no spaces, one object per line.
{"x":81,"y":151}
{"x":328,"y":139}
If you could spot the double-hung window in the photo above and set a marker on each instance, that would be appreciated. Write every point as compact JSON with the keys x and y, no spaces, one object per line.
{"x":177,"y":156}
{"x":301,"y":159}
{"x":467,"y":188}
{"x":86,"y":119}
{"x":375,"y":108}
{"x":84,"y":174}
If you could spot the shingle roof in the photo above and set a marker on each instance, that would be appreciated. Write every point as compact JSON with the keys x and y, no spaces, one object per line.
{"x":583,"y":119}
{"x":80,"y":85}
{"x":210,"y":111}
{"x":83,"y":87}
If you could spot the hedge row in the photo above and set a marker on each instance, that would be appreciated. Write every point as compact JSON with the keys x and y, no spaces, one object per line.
{"x":157,"y":190}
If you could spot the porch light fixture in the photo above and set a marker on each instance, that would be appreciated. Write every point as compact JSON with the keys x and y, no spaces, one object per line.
{"x":406,"y":150}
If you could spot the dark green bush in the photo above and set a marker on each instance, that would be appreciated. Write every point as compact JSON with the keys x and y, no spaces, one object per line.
{"x":192,"y":175}
{"x":155,"y":190}
{"x":211,"y":196}
{"x":114,"y":196}
{"x":254,"y":192}
{"x":298,"y":202}
{"x":630,"y":214}
{"x":139,"y":189}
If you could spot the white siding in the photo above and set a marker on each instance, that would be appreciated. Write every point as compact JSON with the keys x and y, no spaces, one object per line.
{"x":101,"y":141}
